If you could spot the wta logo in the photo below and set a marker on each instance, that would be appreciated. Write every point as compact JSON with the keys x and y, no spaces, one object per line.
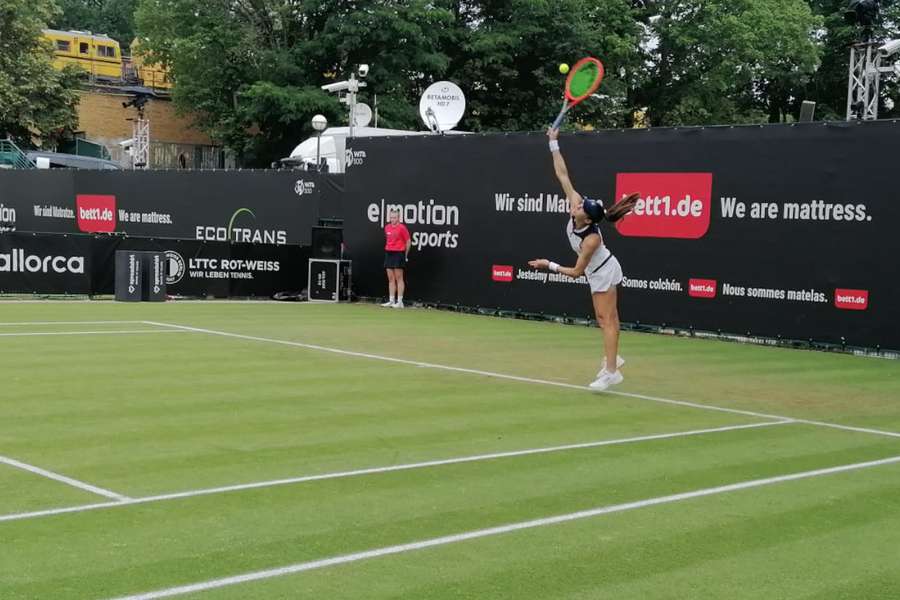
{"x":672,"y":205}
{"x":354,"y":158}
{"x":502,"y":273}
{"x":304,"y":187}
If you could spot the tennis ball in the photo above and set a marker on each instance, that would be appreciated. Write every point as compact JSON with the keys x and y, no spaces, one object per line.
{"x":563,"y":68}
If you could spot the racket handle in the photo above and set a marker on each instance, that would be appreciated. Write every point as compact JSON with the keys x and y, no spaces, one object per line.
{"x":559,"y":120}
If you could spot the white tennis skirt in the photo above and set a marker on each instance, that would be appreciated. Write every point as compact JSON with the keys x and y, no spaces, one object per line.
{"x":606,"y":277}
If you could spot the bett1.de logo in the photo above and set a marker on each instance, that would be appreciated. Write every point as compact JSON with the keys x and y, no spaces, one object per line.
{"x":502,"y":273}
{"x":672,"y":205}
{"x":95,"y":213}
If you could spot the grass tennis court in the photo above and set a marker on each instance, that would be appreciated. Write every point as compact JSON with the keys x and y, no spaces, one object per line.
{"x":262,"y":450}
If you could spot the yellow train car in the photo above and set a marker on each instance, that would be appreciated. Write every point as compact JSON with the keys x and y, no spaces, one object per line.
{"x":153,"y":76}
{"x":99,"y":55}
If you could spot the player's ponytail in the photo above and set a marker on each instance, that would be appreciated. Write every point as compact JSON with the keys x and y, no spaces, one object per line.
{"x":621,"y":208}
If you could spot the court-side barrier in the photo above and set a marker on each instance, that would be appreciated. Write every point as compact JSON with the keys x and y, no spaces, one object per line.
{"x":773,"y":231}
{"x":257,"y":207}
{"x":85,"y":265}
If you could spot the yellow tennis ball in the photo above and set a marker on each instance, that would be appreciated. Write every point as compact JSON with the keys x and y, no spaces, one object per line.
{"x":563,"y":68}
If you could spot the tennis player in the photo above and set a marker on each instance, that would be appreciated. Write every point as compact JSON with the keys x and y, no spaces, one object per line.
{"x":396,"y":253}
{"x":595,"y":261}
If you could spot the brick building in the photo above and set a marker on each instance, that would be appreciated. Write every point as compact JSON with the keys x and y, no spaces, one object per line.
{"x":174,"y":141}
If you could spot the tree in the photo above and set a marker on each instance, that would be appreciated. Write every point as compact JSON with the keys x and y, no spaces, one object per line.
{"x":509,"y":52}
{"x":37,"y":102}
{"x":252,"y":70}
{"x":725,"y":61}
{"x":114,"y":18}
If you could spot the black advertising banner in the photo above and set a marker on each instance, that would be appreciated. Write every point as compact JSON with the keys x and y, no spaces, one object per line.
{"x":209,"y":268}
{"x":258,"y":207}
{"x":154,"y":275}
{"x":129,"y":282}
{"x":94,"y":265}
{"x":45,"y":264}
{"x":772,"y":231}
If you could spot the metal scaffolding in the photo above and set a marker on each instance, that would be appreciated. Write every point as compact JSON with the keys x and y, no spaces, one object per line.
{"x":140,"y":154}
{"x":864,"y":78}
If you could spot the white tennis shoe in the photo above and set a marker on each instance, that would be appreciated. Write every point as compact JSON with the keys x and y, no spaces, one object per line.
{"x":619,"y":362}
{"x":388,"y":304}
{"x":605,"y":380}
{"x":397,"y":304}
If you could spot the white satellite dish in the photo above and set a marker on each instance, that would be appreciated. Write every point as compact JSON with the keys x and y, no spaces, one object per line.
{"x":362,"y":114}
{"x":442,"y":106}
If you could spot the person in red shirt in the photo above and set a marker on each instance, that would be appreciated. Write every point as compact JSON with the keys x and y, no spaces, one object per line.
{"x":396,"y":253}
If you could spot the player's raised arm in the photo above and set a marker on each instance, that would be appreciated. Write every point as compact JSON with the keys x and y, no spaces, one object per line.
{"x":562,"y":172}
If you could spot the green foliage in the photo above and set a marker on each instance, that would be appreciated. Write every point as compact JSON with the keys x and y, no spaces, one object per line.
{"x":509,"y":53}
{"x":37,"y":103}
{"x":115,"y":18}
{"x":726,"y":61}
{"x":251,"y":70}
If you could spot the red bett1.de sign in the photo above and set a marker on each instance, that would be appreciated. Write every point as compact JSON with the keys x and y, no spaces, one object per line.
{"x":95,"y":214}
{"x":702,"y":288}
{"x":851,"y":299}
{"x":672,"y":205}
{"x":502,"y":273}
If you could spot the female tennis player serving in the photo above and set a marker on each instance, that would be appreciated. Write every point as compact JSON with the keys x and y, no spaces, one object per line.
{"x":595,"y":261}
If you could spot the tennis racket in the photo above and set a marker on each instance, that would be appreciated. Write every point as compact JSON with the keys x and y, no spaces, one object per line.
{"x":583,"y":80}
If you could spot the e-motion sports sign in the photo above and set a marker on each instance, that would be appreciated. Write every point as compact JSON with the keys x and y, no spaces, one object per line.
{"x":266,"y":207}
{"x":774,"y":231}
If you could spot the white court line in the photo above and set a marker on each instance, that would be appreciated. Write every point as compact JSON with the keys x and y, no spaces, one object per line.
{"x":168,"y":301}
{"x":375,"y":470}
{"x":527,"y":379}
{"x":111,"y":332}
{"x":2,"y":301}
{"x":63,"y":479}
{"x":11,"y":324}
{"x":502,"y":529}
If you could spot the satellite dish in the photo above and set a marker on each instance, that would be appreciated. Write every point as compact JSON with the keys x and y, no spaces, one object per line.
{"x":442,"y":106}
{"x":362,"y":114}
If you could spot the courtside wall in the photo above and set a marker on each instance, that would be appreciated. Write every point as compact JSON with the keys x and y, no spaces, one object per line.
{"x":774,"y":231}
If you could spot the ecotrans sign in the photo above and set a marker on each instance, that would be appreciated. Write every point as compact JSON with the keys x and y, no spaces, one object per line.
{"x":238,"y":234}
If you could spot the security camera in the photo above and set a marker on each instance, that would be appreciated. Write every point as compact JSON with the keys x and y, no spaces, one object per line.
{"x":363,"y":70}
{"x":338,"y":86}
{"x":889,"y":48}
